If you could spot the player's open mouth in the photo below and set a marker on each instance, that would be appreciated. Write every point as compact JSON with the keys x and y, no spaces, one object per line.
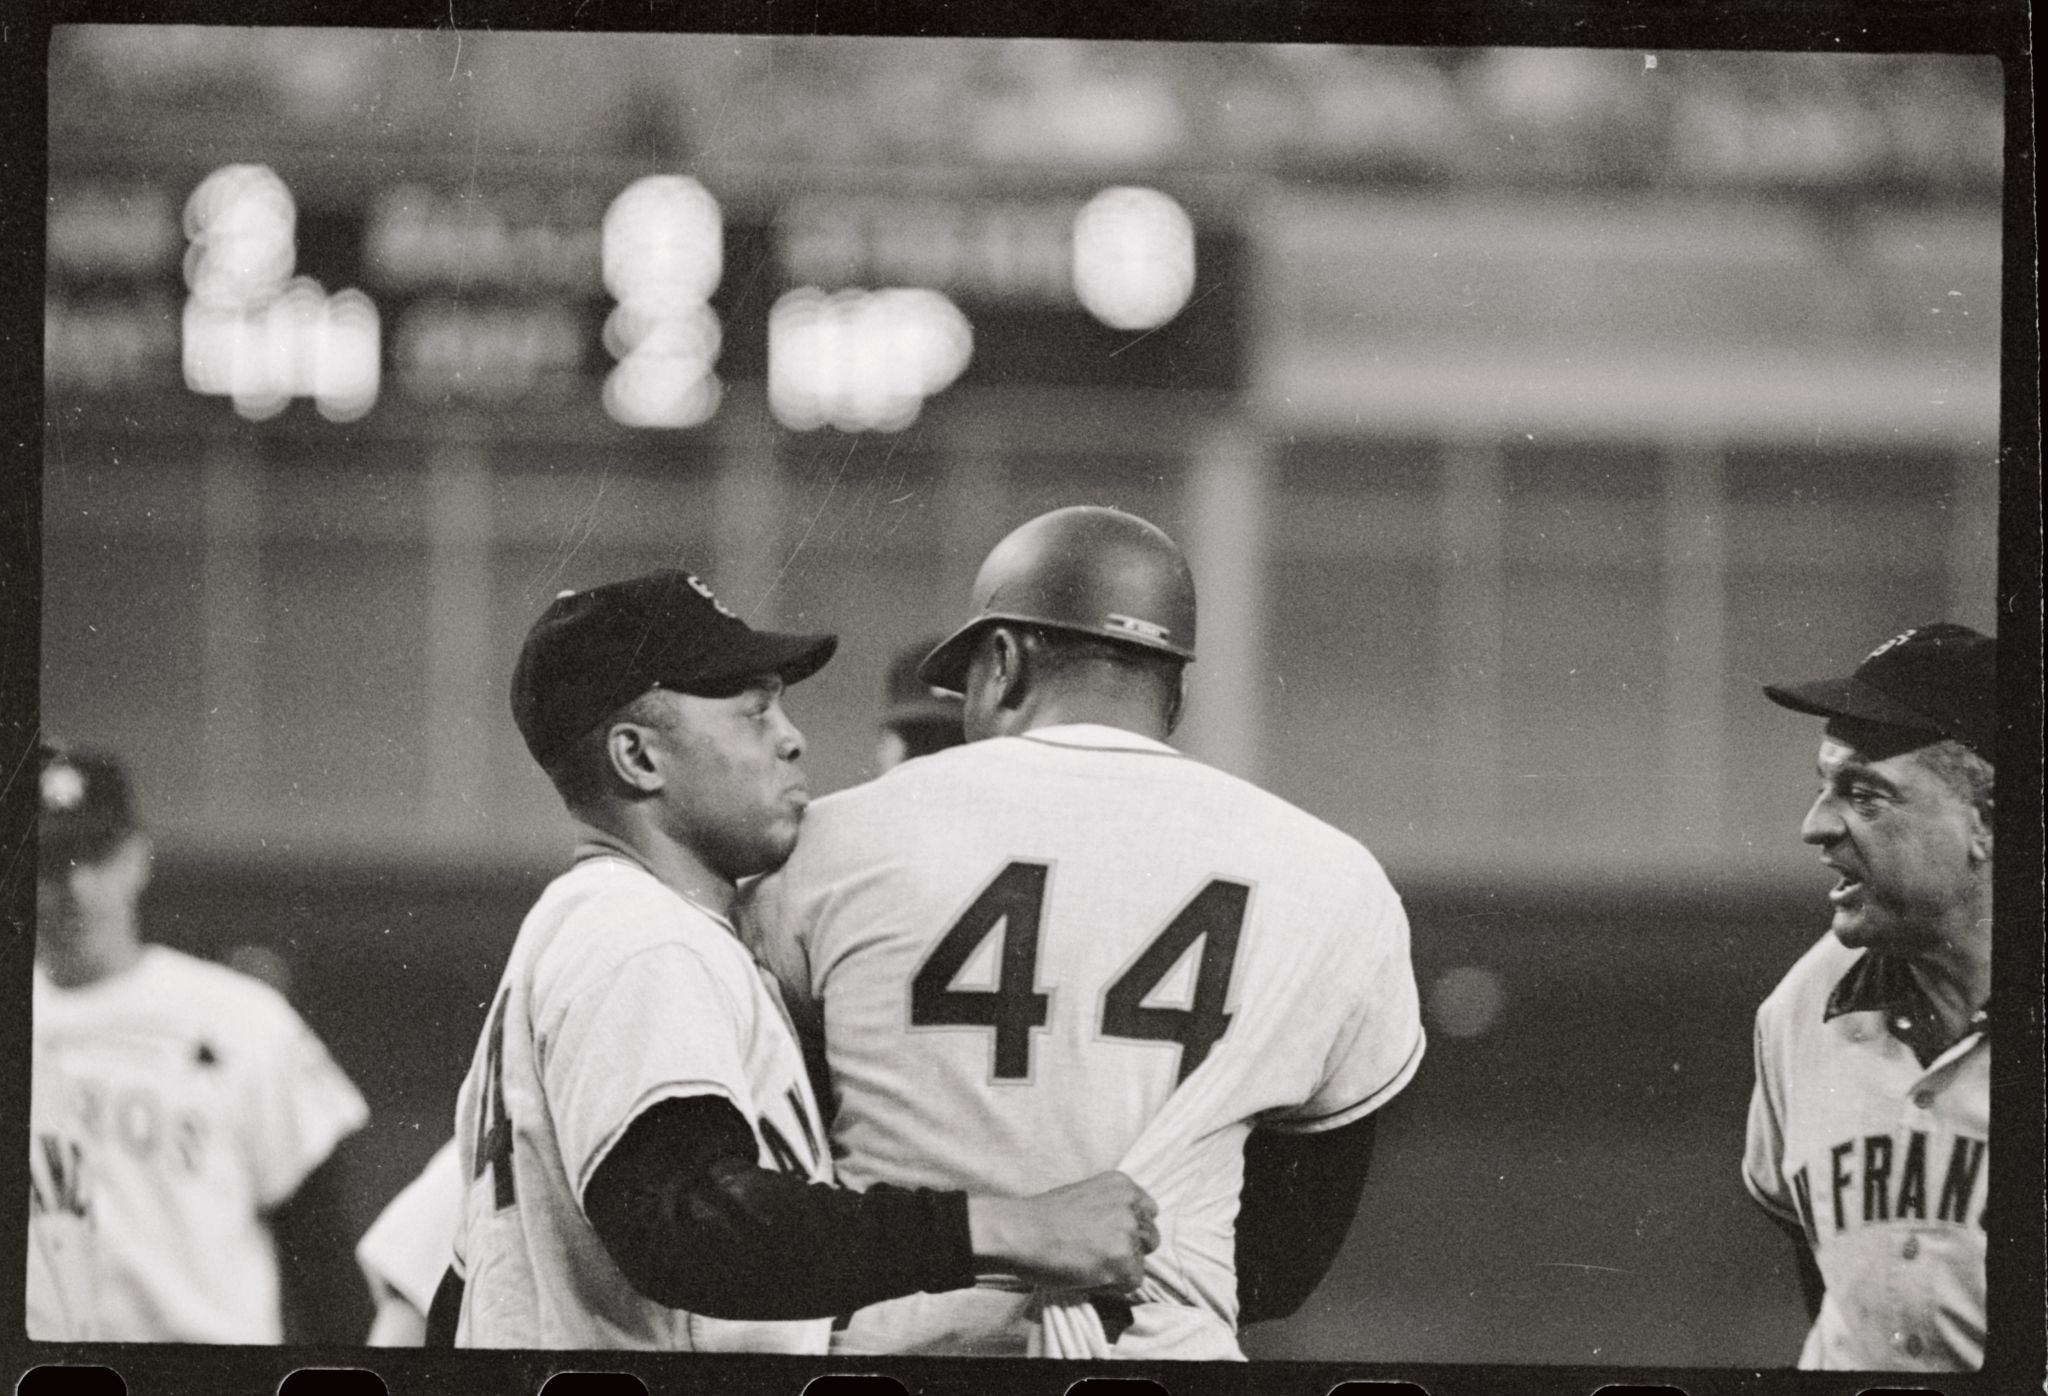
{"x":1847,"y":890}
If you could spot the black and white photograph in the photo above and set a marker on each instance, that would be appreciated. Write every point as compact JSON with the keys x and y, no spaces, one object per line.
{"x":893,"y":700}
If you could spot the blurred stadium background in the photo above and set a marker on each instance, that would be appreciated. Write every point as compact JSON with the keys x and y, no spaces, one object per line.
{"x":1522,"y":411}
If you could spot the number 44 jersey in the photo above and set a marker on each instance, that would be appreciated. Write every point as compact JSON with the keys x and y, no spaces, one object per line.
{"x":1019,"y":950}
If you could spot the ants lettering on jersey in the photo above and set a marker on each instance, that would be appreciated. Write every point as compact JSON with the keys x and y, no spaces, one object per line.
{"x":56,"y":1176}
{"x":1886,"y":1178}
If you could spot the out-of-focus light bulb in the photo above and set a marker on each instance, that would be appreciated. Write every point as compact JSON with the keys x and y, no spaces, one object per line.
{"x":1134,"y":257}
{"x":663,"y":235}
{"x":862,"y":360}
{"x":663,"y":253}
{"x":243,"y":229}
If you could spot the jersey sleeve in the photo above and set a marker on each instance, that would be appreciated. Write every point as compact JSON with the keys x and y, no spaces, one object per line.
{"x":1378,"y":1046}
{"x":300,"y":1106}
{"x":412,"y":1241}
{"x":1763,"y":1150}
{"x":659,"y":1026}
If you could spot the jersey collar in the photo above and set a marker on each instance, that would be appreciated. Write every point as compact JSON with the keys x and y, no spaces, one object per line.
{"x":1096,"y":736}
{"x":593,"y":851}
{"x":1884,"y":984}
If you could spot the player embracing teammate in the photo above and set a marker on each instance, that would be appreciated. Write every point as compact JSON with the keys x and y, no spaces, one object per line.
{"x":646,"y":1164}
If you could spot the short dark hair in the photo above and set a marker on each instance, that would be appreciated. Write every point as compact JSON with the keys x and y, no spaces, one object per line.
{"x":1962,"y":770}
{"x":581,"y":769}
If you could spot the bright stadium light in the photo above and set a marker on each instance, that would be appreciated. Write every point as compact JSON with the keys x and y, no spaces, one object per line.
{"x":253,"y":332}
{"x":345,"y":358}
{"x":862,"y":360}
{"x":1134,"y":257}
{"x":663,"y":253}
{"x":242,"y":226}
{"x":663,"y":236}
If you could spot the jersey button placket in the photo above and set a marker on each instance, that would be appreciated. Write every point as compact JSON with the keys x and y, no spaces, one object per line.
{"x":1914,"y":1347}
{"x":1911,"y":1248}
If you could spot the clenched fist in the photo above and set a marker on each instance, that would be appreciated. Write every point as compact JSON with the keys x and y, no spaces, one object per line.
{"x":1094,"y":1234}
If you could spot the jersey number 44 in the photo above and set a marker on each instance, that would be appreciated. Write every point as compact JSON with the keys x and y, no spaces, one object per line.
{"x":1015,"y":900}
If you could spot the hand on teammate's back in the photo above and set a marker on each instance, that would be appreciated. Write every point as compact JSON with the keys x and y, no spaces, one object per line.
{"x":1094,"y":1234}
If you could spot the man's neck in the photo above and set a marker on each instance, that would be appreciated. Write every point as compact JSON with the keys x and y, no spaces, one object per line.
{"x":87,"y":955}
{"x":1956,"y":974}
{"x":1061,"y":710}
{"x":678,"y":868}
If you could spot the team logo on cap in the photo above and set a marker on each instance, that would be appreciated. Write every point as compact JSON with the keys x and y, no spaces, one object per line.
{"x":705,"y":592}
{"x":1131,"y":625}
{"x":1891,"y":644}
{"x":63,"y":787}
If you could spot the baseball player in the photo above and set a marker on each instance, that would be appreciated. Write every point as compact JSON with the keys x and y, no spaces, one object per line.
{"x":1869,"y":1128}
{"x":641,"y":1147}
{"x":210,"y":1110}
{"x":408,"y":1249}
{"x":1066,"y":946}
{"x":917,"y":718}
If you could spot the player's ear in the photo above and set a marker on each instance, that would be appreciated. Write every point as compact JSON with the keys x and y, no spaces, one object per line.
{"x":1178,"y":703}
{"x":1981,"y":831}
{"x":629,"y":753}
{"x":1007,"y":663}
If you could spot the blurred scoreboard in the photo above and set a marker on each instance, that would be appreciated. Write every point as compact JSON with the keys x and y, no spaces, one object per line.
{"x":848,"y":310}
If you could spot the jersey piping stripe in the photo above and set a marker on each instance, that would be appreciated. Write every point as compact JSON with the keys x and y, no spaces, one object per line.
{"x":1370,"y":1098}
{"x":1114,"y":750}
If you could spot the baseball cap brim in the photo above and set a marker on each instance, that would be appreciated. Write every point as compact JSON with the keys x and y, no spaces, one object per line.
{"x":1851,"y":699}
{"x":793,"y":658}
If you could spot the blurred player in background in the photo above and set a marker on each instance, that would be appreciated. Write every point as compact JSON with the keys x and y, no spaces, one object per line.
{"x":1870,"y":1124}
{"x":210,"y":1110}
{"x":1065,"y":947}
{"x":917,"y":718}
{"x":62,"y":1248}
{"x":642,"y":1149}
{"x":407,"y":1251}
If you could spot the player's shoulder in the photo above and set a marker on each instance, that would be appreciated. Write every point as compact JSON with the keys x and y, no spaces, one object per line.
{"x":1308,"y":843}
{"x":239,"y":1012}
{"x":1802,"y":994}
{"x":603,"y":915}
{"x":211,"y":989}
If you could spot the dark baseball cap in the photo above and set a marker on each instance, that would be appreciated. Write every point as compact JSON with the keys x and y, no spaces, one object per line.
{"x":1941,"y":679}
{"x":85,"y":809}
{"x":594,"y":651}
{"x":910,"y":701}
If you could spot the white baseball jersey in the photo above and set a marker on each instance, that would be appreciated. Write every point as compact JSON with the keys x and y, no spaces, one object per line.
{"x":1882,"y":1162}
{"x":1019,"y":949}
{"x":205,"y":1101}
{"x":619,"y":994}
{"x":62,"y":1247}
{"x":411,"y":1244}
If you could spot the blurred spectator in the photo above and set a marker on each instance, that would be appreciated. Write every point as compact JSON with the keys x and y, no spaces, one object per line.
{"x":211,"y":1111}
{"x":917,"y":719}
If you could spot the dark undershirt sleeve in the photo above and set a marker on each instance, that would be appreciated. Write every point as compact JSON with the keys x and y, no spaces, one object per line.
{"x":696,"y":1223}
{"x":1300,"y":1194}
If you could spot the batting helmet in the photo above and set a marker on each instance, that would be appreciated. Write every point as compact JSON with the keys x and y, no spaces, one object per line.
{"x":1090,"y":570}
